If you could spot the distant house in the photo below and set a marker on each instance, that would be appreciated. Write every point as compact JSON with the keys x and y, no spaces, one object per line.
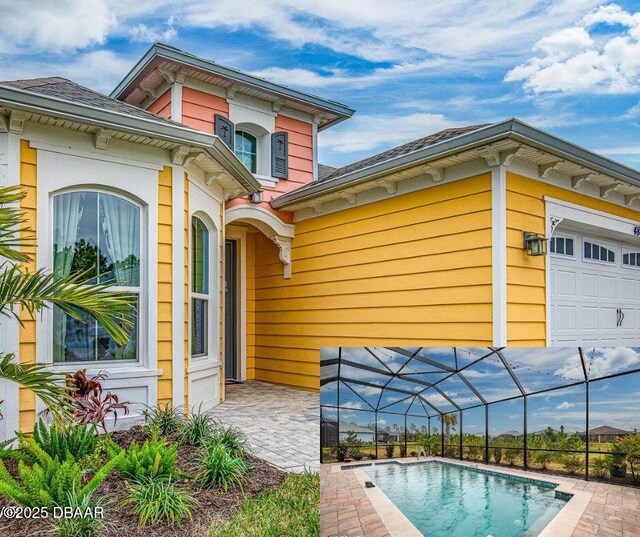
{"x":604,"y":434}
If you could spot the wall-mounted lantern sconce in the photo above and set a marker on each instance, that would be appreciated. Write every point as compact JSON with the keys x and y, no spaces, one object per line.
{"x":256,"y":197}
{"x":534,"y":244}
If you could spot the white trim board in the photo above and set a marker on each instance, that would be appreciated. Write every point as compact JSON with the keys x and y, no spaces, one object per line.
{"x":499,"y":253}
{"x":239,"y":234}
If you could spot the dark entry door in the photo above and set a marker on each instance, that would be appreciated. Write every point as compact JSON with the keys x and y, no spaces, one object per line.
{"x":230,"y":312}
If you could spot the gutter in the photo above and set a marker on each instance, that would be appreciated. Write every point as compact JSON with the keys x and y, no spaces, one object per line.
{"x":27,"y":101}
{"x":510,"y":128}
{"x":160,"y":50}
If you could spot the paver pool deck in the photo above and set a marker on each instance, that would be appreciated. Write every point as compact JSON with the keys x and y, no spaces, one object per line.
{"x":601,"y":509}
{"x":282,"y":425}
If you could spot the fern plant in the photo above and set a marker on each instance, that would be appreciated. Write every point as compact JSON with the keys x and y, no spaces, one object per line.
{"x":154,"y":459}
{"x":60,"y":441}
{"x":47,"y":481}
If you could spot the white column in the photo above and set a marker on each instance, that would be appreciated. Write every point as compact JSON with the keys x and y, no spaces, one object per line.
{"x":499,"y":253}
{"x":177,"y":187}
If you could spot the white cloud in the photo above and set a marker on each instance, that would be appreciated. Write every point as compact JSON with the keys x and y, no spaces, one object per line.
{"x":366,"y":133}
{"x":354,"y":406}
{"x":41,"y":25}
{"x":565,"y":405}
{"x":576,"y":59}
{"x":147,"y":34}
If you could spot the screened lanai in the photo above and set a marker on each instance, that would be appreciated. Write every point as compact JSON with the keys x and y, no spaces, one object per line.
{"x":550,"y":408}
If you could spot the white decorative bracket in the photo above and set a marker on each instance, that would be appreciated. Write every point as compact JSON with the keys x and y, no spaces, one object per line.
{"x":495,"y":157}
{"x":317,"y":206}
{"x":390,"y":186}
{"x":554,"y":221}
{"x":4,"y":122}
{"x":276,"y":106}
{"x":16,"y":122}
{"x":606,"y":191}
{"x":437,"y":174}
{"x":628,"y":200}
{"x":172,"y":76}
{"x":545,"y":169}
{"x":284,"y":247}
{"x":351,"y":197}
{"x":148,"y":91}
{"x":231,"y":91}
{"x":578,"y":180}
{"x":212,"y":177}
{"x":102,"y":137}
{"x":179,"y":155}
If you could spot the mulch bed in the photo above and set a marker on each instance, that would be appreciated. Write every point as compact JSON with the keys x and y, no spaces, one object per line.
{"x":214,"y":505}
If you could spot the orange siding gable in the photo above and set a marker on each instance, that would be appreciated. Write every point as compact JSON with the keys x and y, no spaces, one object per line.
{"x":409,"y":270}
{"x":162,"y":105}
{"x":199,"y":108}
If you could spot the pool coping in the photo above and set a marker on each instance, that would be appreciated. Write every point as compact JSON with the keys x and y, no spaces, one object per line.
{"x":398,"y":525}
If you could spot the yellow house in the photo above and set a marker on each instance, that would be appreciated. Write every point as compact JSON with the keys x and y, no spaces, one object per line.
{"x":200,"y":188}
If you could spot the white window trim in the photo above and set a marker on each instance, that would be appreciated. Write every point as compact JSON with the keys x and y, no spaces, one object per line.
{"x":258,"y":141}
{"x":565,"y":236}
{"x":211,"y":331}
{"x":599,"y":242}
{"x":58,"y":173}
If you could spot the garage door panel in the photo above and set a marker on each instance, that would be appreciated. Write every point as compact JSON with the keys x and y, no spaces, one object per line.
{"x":587,"y":295}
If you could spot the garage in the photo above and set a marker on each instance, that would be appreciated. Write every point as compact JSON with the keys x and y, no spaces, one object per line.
{"x":595,"y":288}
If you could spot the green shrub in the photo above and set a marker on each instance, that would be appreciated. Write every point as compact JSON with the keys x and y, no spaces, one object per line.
{"x":599,"y":467}
{"x":164,"y":419}
{"x":543,"y":458}
{"x":629,"y":445}
{"x":572,"y":463}
{"x":60,"y":441}
{"x":497,"y":454}
{"x":155,"y":459}
{"x":218,"y":467}
{"x":81,"y":526}
{"x":389,"y":449}
{"x":47,"y":481}
{"x":231,"y":438}
{"x":403,"y":449}
{"x":157,"y":501}
{"x":197,"y":428}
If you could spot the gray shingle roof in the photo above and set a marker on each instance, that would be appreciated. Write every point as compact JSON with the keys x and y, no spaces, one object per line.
{"x":64,"y":89}
{"x":324,"y":170}
{"x":400,"y":150}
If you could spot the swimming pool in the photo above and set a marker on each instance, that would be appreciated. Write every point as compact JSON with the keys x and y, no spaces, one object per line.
{"x":445,"y":500}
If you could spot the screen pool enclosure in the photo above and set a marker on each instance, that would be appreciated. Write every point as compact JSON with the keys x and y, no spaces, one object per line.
{"x":529,"y":407}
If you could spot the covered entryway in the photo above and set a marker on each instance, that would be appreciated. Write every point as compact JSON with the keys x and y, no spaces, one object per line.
{"x":595,"y":287}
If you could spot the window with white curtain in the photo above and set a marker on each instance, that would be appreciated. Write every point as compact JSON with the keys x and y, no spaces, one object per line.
{"x":199,"y":287}
{"x":97,"y":234}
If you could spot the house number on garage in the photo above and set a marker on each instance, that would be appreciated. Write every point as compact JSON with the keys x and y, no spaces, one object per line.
{"x":636,"y":231}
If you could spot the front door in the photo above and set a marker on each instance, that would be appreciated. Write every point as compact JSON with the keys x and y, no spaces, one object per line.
{"x":230,"y":312}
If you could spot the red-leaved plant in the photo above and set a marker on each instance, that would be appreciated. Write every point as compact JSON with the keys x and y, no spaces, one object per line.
{"x":90,"y":405}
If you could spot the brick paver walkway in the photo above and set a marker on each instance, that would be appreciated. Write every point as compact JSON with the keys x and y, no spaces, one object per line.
{"x":282,"y":424}
{"x":345,"y":509}
{"x":612,"y":512}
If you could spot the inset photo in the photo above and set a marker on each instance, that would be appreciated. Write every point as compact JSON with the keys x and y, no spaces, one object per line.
{"x":476,"y":442}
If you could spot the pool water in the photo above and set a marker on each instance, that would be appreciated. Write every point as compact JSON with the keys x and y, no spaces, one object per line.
{"x":448,"y":500}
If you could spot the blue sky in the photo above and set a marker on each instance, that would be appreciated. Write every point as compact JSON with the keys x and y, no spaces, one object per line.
{"x":409,"y":67}
{"x":614,"y":401}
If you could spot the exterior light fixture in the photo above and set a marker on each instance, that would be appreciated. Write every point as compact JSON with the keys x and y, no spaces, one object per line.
{"x":534,"y":244}
{"x":256,"y":197}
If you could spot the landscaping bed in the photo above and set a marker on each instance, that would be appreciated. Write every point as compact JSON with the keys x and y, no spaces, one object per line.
{"x":214,"y":505}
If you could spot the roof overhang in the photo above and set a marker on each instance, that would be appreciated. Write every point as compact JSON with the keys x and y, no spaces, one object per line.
{"x":162,"y":60}
{"x":182,"y":142}
{"x":503,"y":136}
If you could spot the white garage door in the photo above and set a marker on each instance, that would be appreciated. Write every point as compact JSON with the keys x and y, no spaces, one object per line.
{"x":595,"y":291}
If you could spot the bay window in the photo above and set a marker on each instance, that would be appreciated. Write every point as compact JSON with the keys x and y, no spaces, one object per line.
{"x":97,"y":234}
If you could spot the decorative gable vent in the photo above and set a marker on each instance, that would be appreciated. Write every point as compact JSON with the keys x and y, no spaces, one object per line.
{"x":280,"y":155}
{"x":224,"y":128}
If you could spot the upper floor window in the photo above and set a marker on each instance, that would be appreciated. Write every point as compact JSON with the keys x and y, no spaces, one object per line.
{"x":246,"y":149}
{"x":97,"y":234}
{"x":199,"y":287}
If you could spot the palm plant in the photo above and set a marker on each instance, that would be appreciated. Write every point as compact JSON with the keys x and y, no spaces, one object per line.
{"x":33,"y":291}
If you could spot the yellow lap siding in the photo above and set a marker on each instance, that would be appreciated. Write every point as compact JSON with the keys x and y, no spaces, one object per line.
{"x":526,"y":279}
{"x":165,"y":286}
{"x":27,"y":347}
{"x":414,"y":269}
{"x":250,"y":263}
